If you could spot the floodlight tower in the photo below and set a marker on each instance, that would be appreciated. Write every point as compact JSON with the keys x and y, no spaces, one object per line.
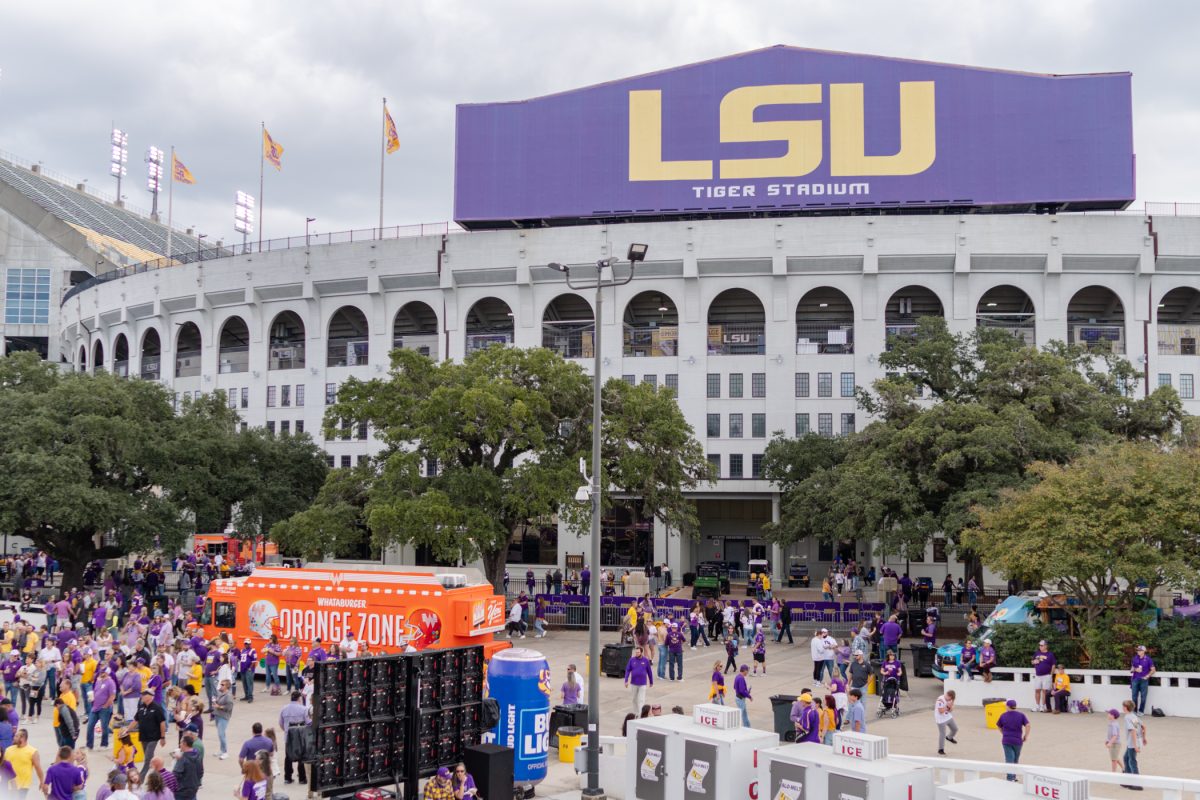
{"x":243,"y":217}
{"x":154,"y":176}
{"x":118,"y":158}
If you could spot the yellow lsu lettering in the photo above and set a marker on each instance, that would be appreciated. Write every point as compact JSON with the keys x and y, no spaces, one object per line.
{"x":847,"y":135}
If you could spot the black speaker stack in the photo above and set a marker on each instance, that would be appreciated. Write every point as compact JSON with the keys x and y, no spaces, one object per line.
{"x":394,"y":719}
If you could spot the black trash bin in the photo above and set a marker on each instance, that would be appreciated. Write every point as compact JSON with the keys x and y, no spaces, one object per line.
{"x":614,"y":658}
{"x":781,"y":710}
{"x":923,"y":659}
{"x":573,"y":716}
{"x":915,"y":622}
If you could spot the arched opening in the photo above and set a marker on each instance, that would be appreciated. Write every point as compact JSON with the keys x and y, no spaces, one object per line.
{"x":234,"y":347}
{"x":287,"y":342}
{"x":416,"y":328}
{"x":347,"y":343}
{"x":83,"y":358}
{"x":651,"y":325}
{"x":905,"y":308}
{"x":187,"y":351}
{"x":1008,"y":309}
{"x":151,"y":358}
{"x":1178,"y":316}
{"x":98,"y":356}
{"x":736,"y":324}
{"x":568,"y":327}
{"x":824,"y":322}
{"x":1096,"y":320}
{"x":120,"y":359}
{"x":489,"y":322}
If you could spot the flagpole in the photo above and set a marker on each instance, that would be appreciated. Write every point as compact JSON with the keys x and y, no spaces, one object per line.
{"x":170,"y":205}
{"x":382,"y":159}
{"x":262,"y":157}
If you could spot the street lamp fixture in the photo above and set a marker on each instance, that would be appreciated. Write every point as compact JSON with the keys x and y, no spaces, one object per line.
{"x":636,"y":253}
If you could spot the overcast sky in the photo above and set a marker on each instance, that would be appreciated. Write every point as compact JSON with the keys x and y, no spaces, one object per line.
{"x":202,"y":75}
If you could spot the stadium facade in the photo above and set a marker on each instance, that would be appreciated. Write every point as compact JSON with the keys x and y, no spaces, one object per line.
{"x":762,"y":312}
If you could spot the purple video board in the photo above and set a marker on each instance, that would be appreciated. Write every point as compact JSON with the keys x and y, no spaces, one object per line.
{"x":791,"y":129}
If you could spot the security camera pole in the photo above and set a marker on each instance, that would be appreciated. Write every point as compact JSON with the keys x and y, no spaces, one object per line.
{"x":637,"y":252}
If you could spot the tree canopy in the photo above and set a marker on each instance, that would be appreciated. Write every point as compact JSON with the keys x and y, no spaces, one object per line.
{"x":505,"y":429}
{"x":98,"y":466}
{"x":959,"y":418}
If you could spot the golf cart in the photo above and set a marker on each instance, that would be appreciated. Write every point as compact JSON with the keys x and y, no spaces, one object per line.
{"x":797,"y":574}
{"x":712,"y":580}
{"x":756,"y":568}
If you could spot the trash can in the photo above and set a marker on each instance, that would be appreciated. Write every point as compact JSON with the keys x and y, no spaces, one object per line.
{"x":569,"y":738}
{"x":781,"y":710}
{"x":993,"y":707}
{"x":567,"y":716}
{"x":923,"y":659}
{"x":613,"y":659}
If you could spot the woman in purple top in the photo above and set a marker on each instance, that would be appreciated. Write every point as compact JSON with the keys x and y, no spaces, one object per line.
{"x":271,"y":655}
{"x":572,"y":689}
{"x":987,"y":660}
{"x":291,"y":661}
{"x":929,"y":632}
{"x":462,"y":783}
{"x":891,"y":668}
{"x":1014,"y":730}
{"x":760,"y":651}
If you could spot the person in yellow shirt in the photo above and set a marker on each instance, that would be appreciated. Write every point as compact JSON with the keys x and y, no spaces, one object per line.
{"x":6,"y":640}
{"x":25,"y":763}
{"x":31,"y":643}
{"x":144,"y":671}
{"x":766,"y":586}
{"x":828,"y":719}
{"x":196,"y":678}
{"x":87,"y":678}
{"x":1062,"y":689}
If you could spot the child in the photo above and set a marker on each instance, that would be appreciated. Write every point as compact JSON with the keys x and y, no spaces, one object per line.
{"x":80,"y":759}
{"x":716,"y":689}
{"x":760,"y":650}
{"x":126,"y":752}
{"x":731,"y":649}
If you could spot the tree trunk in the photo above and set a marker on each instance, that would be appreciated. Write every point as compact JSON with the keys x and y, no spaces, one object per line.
{"x":72,"y":565}
{"x":493,"y":568}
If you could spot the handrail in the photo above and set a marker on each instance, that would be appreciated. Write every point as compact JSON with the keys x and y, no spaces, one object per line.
{"x":266,"y":246}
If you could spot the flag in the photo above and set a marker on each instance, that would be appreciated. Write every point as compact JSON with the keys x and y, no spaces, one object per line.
{"x":180,"y":173}
{"x":272,"y":150}
{"x":389,"y":130}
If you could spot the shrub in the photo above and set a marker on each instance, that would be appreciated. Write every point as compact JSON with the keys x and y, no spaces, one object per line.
{"x":1111,"y":640}
{"x":1178,"y":647}
{"x":1016,"y":644}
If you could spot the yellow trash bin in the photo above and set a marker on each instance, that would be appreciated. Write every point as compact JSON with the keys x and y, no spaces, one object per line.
{"x":992,"y":709}
{"x":871,"y":684}
{"x":569,"y":738}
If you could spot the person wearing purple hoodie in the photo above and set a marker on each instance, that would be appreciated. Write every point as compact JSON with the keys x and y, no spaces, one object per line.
{"x":131,"y":691}
{"x":8,"y":670}
{"x":675,"y":651}
{"x":247,"y":662}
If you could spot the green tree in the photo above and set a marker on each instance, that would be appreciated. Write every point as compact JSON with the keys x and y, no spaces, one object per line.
{"x":1110,"y":526}
{"x":284,"y":475}
{"x":506,"y":428}
{"x":924,"y":467}
{"x":335,"y":523}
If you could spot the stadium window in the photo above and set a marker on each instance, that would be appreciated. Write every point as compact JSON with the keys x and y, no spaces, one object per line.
{"x":756,"y":465}
{"x":671,"y":380}
{"x":847,"y":384}
{"x":847,"y":424}
{"x":630,"y":379}
{"x":345,"y":432}
{"x":758,"y":426}
{"x":271,"y":427}
{"x":196,"y":395}
{"x":245,"y":427}
{"x":285,"y":396}
{"x":360,"y":460}
{"x":330,"y":393}
{"x":27,"y":297}
{"x":245,"y":397}
{"x":345,"y":462}
{"x":232,"y":396}
{"x":714,"y":385}
{"x":758,"y":384}
{"x":361,"y":434}
{"x":802,"y":427}
{"x":714,"y":425}
{"x":1187,"y":386}
{"x":735,"y":384}
{"x":1164,"y":379}
{"x":299,"y":426}
{"x":735,"y":426}
{"x":430,"y":467}
{"x":735,"y":465}
{"x":802,"y":384}
{"x":329,"y":461}
{"x":825,"y":424}
{"x":271,"y":392}
{"x":299,"y":395}
{"x":824,"y":384}
{"x":285,"y":427}
{"x":650,"y":379}
{"x":714,"y":461}
{"x":176,"y":403}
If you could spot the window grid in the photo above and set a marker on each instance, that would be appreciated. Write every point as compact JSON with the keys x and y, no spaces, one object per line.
{"x":714,"y":384}
{"x":630,"y":379}
{"x":345,"y":462}
{"x":671,"y":380}
{"x":824,"y":384}
{"x":1164,"y":379}
{"x":650,"y":379}
{"x":232,"y":397}
{"x":271,"y":427}
{"x":714,"y":461}
{"x":245,"y":397}
{"x":361,"y":433}
{"x":1187,"y":386}
{"x":330,"y":393}
{"x":825,"y":424}
{"x":299,"y":395}
{"x":27,"y":297}
{"x":271,"y":392}
{"x":756,"y":462}
{"x":802,"y":388}
{"x":758,"y":426}
{"x":285,"y":396}
{"x":285,"y":427}
{"x":714,"y":425}
{"x":847,"y":424}
{"x":735,"y":384}
{"x":299,"y":426}
{"x":847,"y":384}
{"x":802,"y":425}
{"x":735,"y":427}
{"x":735,"y":465}
{"x":758,"y":384}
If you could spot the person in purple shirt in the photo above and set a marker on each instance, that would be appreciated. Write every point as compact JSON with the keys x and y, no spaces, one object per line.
{"x":1043,"y":671}
{"x":271,"y":655}
{"x":1140,"y":671}
{"x":8,"y":670}
{"x":987,"y":660}
{"x":966,"y":661}
{"x":639,"y":674}
{"x":585,"y":578}
{"x":1014,"y":730}
{"x":572,"y":688}
{"x":291,"y":660}
{"x":247,"y":662}
{"x":212,"y":665}
{"x":889,"y":633}
{"x":929,"y":632}
{"x":255,"y":743}
{"x":62,"y":778}
{"x":741,"y":693}
{"x":131,"y":692}
{"x":675,"y":651}
{"x":317,"y":654}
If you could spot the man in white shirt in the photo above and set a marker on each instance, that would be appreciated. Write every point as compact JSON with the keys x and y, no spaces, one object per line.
{"x":943,"y":715}
{"x":183,"y":665}
{"x":816,"y":648}
{"x":52,"y":656}
{"x":349,"y":645}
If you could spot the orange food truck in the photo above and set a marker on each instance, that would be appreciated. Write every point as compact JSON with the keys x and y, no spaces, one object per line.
{"x":234,"y":550}
{"x":387,"y":608}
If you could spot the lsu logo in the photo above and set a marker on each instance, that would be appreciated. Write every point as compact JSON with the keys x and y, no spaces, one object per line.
{"x":804,"y":151}
{"x":544,"y":681}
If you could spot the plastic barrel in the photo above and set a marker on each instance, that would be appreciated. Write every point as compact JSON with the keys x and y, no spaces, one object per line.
{"x":519,"y":681}
{"x":569,"y":737}
{"x":993,"y":707}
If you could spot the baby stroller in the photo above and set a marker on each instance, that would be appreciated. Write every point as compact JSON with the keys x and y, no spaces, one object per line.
{"x":889,"y":698}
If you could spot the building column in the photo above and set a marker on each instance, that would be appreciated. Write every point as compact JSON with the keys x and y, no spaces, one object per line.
{"x":778,"y":570}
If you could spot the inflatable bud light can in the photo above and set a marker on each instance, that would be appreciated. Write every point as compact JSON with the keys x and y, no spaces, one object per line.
{"x":519,"y":682}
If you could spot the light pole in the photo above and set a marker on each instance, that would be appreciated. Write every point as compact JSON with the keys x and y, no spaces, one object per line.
{"x":637,"y":252}
{"x":307,"y":221}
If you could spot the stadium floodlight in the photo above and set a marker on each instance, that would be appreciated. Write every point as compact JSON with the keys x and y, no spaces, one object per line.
{"x":154,"y":176}
{"x":118,"y":157}
{"x":243,"y":215}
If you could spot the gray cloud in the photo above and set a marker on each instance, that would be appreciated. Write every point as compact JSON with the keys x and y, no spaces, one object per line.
{"x":201,"y":76}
